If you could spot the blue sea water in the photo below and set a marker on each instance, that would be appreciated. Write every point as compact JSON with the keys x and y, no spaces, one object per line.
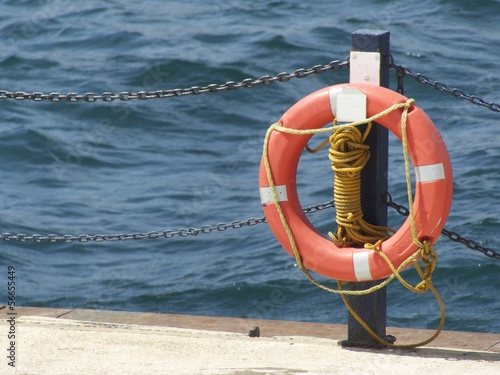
{"x":140,"y":166}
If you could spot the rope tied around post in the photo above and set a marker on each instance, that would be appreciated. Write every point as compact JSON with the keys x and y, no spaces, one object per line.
{"x":349,"y":155}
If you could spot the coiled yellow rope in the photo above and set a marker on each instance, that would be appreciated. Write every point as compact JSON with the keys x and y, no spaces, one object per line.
{"x":348,"y":156}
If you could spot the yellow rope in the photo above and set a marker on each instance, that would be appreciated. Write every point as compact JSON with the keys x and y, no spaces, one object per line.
{"x":347,"y":140}
{"x":349,"y":155}
{"x":402,"y":346}
{"x":315,"y":150}
{"x":279,"y":127}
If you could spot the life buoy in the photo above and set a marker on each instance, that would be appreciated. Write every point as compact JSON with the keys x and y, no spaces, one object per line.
{"x":433,"y":192}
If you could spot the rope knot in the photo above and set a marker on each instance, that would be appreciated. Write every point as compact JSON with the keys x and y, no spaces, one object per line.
{"x":408,"y":104}
{"x":429,"y":258}
{"x":423,"y":286}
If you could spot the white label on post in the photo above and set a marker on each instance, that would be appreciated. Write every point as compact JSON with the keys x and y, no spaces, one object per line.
{"x":364,"y":67}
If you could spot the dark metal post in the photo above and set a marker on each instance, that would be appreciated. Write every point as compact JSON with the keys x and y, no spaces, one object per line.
{"x":367,"y":65}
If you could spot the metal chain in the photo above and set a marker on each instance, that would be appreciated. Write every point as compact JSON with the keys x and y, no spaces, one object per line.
{"x":194,"y":90}
{"x":454,"y":236}
{"x":402,"y":71}
{"x":183,"y":232}
{"x":400,"y":76}
{"x":150,"y":235}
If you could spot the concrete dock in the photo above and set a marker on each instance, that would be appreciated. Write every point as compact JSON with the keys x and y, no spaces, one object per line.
{"x":79,"y":341}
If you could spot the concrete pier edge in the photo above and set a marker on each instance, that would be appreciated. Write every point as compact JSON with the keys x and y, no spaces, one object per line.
{"x":489,"y":342}
{"x":84,"y":341}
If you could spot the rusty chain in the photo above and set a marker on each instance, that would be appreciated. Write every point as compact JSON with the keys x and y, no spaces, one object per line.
{"x":160,"y":94}
{"x":454,"y":236}
{"x":183,"y":232}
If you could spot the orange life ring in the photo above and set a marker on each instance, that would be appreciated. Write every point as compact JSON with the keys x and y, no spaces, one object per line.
{"x":433,"y":191}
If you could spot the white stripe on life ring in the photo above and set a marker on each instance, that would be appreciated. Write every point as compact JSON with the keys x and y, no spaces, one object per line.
{"x":266,"y":194}
{"x":429,"y":173}
{"x":361,"y":266}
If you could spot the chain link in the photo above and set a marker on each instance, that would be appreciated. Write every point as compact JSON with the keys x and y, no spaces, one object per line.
{"x":400,"y":76}
{"x":194,"y":90}
{"x":402,"y":71}
{"x":183,"y":232}
{"x":454,"y":236}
